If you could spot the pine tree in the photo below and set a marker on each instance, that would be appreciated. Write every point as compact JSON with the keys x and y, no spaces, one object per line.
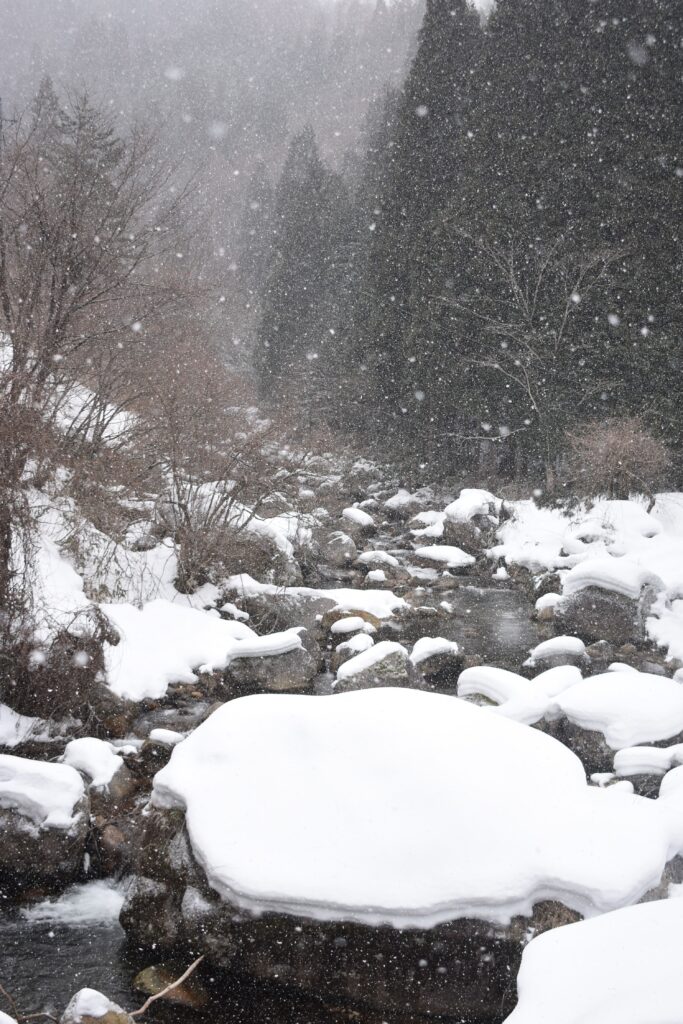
{"x":300,"y":297}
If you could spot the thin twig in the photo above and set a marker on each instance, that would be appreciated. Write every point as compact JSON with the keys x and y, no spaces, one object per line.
{"x":169,"y":988}
{"x":10,"y":1000}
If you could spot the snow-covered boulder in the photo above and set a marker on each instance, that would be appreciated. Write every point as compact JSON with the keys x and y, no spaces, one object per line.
{"x":445,"y":555}
{"x":360,"y":521}
{"x":349,"y":649}
{"x":599,"y":613}
{"x":43,"y":821}
{"x":279,"y":667}
{"x":559,"y":650}
{"x":339,"y":549}
{"x":472,"y":504}
{"x":438,"y":660}
{"x":620,"y":968}
{"x":384,"y":664}
{"x":595,"y":717}
{"x":405,"y":504}
{"x":89,"y":1006}
{"x":470,"y":522}
{"x":308,"y":839}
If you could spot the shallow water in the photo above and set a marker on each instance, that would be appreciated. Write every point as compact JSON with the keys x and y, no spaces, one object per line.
{"x":492,"y":624}
{"x":44,"y":964}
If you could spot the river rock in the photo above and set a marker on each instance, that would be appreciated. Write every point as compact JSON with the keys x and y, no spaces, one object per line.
{"x":43,"y":823}
{"x":461,"y":969}
{"x":154,"y":980}
{"x":438,"y":661}
{"x":596,"y":614}
{"x":273,"y":613}
{"x":280,"y":673}
{"x":91,"y":1007}
{"x":339,"y":550}
{"x":385,"y":664}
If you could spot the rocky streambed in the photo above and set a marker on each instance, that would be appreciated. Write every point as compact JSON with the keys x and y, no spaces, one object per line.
{"x":276,"y":963}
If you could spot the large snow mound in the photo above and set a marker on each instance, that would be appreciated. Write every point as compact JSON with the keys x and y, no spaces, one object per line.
{"x":44,"y":794}
{"x":405,"y":807}
{"x":621,"y":968}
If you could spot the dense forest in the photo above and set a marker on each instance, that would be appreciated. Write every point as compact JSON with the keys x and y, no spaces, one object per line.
{"x":506,"y":264}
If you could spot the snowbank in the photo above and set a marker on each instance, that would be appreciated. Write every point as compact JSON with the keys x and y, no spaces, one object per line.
{"x":648,"y":760}
{"x":393,"y":805}
{"x":15,"y":729}
{"x":615,"y":545}
{"x":621,"y":968}
{"x":46,"y":794}
{"x":165,"y":643}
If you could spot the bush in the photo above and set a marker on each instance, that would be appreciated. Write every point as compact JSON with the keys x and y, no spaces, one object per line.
{"x":616,"y":458}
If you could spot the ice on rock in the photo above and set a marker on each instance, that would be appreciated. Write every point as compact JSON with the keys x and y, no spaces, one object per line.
{"x":621,"y":968}
{"x":6,"y":1019}
{"x":393,"y":806}
{"x":43,"y":793}
{"x":377,"y":558}
{"x":97,"y":902}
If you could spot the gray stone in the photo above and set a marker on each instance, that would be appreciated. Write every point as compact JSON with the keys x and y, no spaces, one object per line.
{"x":280,"y":673}
{"x":395,"y":669}
{"x":339,"y":549}
{"x":50,"y":857}
{"x":595,"y":614}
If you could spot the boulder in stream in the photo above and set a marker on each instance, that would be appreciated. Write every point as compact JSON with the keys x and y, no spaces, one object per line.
{"x":44,"y":815}
{"x":375,"y":847}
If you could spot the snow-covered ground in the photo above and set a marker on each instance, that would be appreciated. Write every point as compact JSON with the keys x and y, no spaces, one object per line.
{"x":617,"y":546}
